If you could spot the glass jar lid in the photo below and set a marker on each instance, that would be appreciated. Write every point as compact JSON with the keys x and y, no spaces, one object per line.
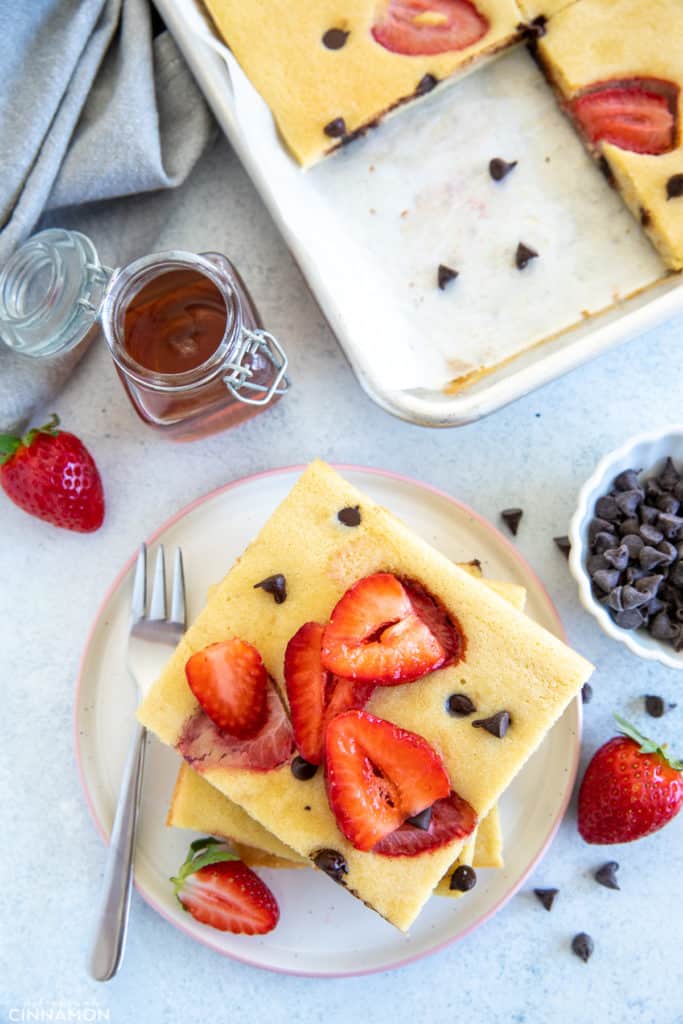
{"x":51,"y":290}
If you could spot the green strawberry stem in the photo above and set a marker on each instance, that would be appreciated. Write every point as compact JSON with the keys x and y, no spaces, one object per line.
{"x":646,"y":745}
{"x":202,"y":853}
{"x":10,"y":445}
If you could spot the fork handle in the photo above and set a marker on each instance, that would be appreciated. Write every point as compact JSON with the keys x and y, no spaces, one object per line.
{"x":112,"y":920}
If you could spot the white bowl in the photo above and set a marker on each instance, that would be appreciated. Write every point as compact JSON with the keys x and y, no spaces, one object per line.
{"x":646,"y":452}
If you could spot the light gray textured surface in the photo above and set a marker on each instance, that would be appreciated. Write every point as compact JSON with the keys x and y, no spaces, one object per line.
{"x":517,"y":967}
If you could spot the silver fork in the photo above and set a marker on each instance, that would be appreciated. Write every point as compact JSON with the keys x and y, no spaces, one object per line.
{"x":154,"y":627}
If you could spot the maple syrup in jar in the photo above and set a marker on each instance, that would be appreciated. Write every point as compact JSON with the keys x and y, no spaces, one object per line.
{"x":189,"y":345}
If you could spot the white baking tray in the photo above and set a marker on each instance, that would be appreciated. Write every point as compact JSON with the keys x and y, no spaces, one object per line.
{"x":370,"y":225}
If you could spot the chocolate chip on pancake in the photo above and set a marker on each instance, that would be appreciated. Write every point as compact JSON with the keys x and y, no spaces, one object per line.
{"x":335,"y":38}
{"x":497,"y":725}
{"x":335,"y":129}
{"x":275,"y":585}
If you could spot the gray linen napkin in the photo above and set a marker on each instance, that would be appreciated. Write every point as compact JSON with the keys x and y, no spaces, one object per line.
{"x":91,"y":108}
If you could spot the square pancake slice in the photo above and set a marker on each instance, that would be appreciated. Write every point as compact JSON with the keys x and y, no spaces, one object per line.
{"x":329,"y":70}
{"x":198,"y":806}
{"x":508,"y":663}
{"x":617,"y":66}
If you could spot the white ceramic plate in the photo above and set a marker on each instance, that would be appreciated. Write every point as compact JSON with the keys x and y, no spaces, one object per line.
{"x":323,"y":930}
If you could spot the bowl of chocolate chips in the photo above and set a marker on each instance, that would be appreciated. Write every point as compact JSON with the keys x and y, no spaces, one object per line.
{"x":627,"y":545}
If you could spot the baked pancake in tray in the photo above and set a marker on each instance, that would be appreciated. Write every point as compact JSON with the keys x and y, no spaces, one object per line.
{"x":617,"y":66}
{"x":329,"y":70}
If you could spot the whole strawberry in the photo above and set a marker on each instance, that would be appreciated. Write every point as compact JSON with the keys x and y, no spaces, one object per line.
{"x":219,"y":890}
{"x":631,"y":788}
{"x":50,"y":474}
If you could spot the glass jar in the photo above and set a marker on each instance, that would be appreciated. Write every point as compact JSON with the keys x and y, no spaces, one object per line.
{"x":183,"y":331}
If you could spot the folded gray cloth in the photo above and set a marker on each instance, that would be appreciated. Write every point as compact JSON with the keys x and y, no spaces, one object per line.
{"x":91,"y":108}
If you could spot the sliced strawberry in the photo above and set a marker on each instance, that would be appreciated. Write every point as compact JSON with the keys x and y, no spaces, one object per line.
{"x":441,"y":623}
{"x":424,"y":27}
{"x":219,"y":890}
{"x":230,"y":681}
{"x":204,"y":746}
{"x":452,"y":818}
{"x":314,"y":694}
{"x":345,"y":695}
{"x":377,"y":775}
{"x":375,"y":635}
{"x":636,"y":114}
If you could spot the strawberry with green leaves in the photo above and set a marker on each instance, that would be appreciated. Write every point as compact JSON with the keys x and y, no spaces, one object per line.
{"x":50,"y":474}
{"x":219,"y":890}
{"x":631,"y":788}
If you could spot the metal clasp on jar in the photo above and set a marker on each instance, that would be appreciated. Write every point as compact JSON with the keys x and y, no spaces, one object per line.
{"x":239,"y":380}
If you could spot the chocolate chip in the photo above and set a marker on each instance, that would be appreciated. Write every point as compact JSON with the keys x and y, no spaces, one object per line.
{"x":633,"y":598}
{"x":463,"y":878}
{"x":307,"y":807}
{"x":546,"y":897}
{"x":648,"y":514}
{"x":662,"y":628}
{"x":654,"y":606}
{"x":349,"y":516}
{"x":652,"y":490}
{"x":627,"y":480}
{"x":421,"y":820}
{"x":303,"y":770}
{"x":633,"y":573}
{"x":275,"y":585}
{"x":459,"y":705}
{"x":667,"y":503}
{"x":651,"y":535}
{"x":669,"y":475}
{"x":564,"y":544}
{"x":499,"y":168}
{"x":524,"y":254}
{"x":335,"y":129}
{"x":606,"y":508}
{"x":426,"y":84}
{"x":631,"y":619}
{"x":603,"y":542}
{"x":537,"y":26}
{"x":586,"y":693}
{"x":669,"y":524}
{"x":607,"y":875}
{"x":335,"y":38}
{"x":606,"y":579}
{"x":676,"y":576}
{"x":583,"y":946}
{"x":445,"y":275}
{"x":650,"y":585}
{"x":596,"y":562}
{"x":669,"y":550}
{"x":333,"y":864}
{"x":650,"y":558}
{"x":511,"y":517}
{"x":497,"y":724}
{"x":617,"y":557}
{"x":678,"y":491}
{"x":615,"y":600}
{"x":598,"y":525}
{"x":633,"y":543}
{"x":628,"y":501}
{"x":629,"y":527}
{"x":654,"y":705}
{"x":674,"y":187}
{"x":645,"y":217}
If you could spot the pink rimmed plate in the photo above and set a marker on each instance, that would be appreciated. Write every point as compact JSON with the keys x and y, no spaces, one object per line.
{"x":323,"y":930}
